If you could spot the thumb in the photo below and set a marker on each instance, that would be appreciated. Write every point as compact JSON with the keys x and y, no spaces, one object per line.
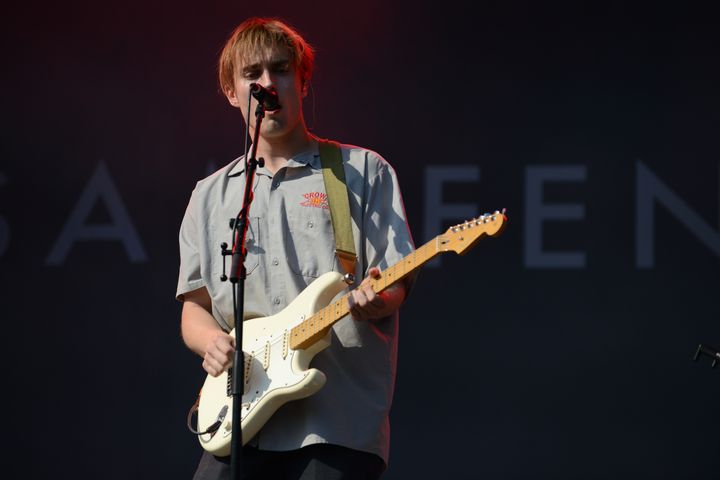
{"x":374,"y":272}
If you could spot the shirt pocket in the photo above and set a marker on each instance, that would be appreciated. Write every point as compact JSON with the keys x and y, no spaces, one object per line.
{"x":310,"y":247}
{"x":253,"y":244}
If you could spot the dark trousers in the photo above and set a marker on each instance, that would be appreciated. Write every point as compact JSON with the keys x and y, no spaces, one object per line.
{"x":314,"y":462}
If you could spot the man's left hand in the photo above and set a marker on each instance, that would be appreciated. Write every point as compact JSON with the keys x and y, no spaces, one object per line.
{"x":365,"y":304}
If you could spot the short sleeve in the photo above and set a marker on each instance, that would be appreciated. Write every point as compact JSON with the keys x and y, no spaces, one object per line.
{"x":189,"y":277}
{"x":387,"y":235}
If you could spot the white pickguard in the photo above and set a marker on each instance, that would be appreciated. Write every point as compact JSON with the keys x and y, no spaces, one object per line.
{"x":277,"y":374}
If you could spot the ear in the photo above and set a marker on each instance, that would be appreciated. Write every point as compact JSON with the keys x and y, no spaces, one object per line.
{"x":304,"y":88}
{"x":232,"y":98}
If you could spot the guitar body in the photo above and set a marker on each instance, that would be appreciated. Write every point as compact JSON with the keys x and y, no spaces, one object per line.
{"x":274,"y":373}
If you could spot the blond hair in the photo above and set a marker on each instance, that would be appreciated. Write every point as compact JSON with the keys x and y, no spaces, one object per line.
{"x":257,"y":35}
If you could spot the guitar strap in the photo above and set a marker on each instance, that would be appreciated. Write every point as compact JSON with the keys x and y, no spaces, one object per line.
{"x":337,"y":194}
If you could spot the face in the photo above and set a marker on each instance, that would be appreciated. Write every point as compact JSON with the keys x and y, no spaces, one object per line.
{"x":274,"y":69}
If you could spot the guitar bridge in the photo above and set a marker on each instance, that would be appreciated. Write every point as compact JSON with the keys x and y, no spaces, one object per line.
{"x":248,"y":366}
{"x":228,"y":390}
{"x":266,"y":357}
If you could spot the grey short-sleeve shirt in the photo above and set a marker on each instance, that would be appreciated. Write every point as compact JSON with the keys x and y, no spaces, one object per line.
{"x":290,"y":243}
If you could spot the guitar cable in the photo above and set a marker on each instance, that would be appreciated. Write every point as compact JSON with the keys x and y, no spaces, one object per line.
{"x":212,"y":428}
{"x":234,"y":225}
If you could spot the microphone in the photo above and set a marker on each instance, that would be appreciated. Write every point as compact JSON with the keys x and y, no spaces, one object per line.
{"x":268,"y":97}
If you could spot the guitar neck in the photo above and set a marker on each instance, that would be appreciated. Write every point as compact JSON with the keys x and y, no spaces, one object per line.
{"x":315,"y":327}
{"x":457,"y":239}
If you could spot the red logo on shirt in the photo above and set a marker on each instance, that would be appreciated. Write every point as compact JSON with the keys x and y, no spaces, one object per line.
{"x":315,"y":199}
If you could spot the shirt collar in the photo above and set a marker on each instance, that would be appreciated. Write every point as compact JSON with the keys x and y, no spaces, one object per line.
{"x":309,"y":157}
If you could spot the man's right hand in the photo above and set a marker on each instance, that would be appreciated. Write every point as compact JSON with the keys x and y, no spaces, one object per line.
{"x":219,"y":354}
{"x":203,"y":335}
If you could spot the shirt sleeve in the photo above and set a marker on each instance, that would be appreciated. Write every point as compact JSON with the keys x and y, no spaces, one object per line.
{"x":190,"y":277}
{"x":387,"y":235}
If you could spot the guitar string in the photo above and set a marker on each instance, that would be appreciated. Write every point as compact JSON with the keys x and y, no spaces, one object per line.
{"x":409,"y":259}
{"x":389,"y":272}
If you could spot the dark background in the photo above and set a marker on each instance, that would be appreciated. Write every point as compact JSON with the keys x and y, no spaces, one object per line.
{"x":505,"y":370}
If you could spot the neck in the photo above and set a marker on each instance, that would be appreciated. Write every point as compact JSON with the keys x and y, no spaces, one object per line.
{"x":276,"y":151}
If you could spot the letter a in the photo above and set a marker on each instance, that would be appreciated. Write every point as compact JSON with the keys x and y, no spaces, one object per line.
{"x":100,"y":187}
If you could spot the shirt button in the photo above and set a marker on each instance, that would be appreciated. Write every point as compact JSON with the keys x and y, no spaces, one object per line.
{"x":310,"y":224}
{"x":275,"y":261}
{"x":276,"y":300}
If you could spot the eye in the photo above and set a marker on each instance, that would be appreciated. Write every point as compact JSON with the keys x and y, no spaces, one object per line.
{"x":283,"y":67}
{"x":251,"y":73}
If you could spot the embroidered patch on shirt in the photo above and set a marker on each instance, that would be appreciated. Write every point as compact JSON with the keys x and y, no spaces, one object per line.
{"x":315,"y":199}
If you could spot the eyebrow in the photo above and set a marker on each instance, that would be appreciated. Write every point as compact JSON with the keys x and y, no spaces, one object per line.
{"x":271,"y":64}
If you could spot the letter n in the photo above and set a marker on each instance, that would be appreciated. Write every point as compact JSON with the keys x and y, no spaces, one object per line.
{"x":651,"y":189}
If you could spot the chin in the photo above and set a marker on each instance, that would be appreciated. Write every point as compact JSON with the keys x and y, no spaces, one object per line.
{"x":273,"y":128}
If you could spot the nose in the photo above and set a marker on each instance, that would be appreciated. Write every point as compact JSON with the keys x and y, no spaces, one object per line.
{"x":267,"y":79}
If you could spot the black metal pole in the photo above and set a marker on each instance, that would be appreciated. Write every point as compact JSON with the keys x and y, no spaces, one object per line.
{"x":710,"y":352}
{"x":237,"y":278}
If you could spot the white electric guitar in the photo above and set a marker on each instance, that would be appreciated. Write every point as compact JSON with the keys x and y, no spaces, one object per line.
{"x":278,"y":349}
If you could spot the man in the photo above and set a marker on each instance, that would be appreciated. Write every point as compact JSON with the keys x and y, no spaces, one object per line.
{"x":341,"y":431}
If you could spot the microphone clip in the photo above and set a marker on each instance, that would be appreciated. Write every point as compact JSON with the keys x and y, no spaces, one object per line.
{"x":709,"y":351}
{"x":267,"y":98}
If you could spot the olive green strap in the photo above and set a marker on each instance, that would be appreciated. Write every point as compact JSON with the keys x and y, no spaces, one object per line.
{"x":337,"y":194}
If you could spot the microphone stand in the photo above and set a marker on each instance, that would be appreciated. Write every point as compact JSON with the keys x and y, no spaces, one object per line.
{"x":710,"y":352}
{"x":237,"y":279}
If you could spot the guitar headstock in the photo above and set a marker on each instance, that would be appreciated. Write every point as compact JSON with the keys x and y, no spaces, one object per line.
{"x":461,"y":237}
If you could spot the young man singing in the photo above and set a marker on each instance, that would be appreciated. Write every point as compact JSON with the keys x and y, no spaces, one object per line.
{"x":342,"y":431}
